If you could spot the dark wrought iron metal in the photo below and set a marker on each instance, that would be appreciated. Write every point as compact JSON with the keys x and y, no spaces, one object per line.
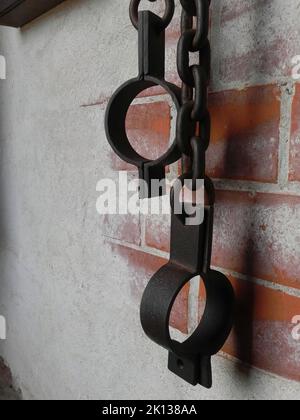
{"x":191,"y":245}
{"x":190,"y":257}
{"x":151,"y":73}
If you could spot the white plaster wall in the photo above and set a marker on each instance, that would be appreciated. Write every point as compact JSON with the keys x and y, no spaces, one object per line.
{"x":73,"y":328}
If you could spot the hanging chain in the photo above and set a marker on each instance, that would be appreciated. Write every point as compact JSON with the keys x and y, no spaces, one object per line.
{"x":193,"y":120}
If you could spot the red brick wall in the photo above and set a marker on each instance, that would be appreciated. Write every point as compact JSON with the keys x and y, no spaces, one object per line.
{"x":254,"y":159}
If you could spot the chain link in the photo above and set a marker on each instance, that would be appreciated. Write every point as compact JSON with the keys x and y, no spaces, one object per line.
{"x":193,"y":120}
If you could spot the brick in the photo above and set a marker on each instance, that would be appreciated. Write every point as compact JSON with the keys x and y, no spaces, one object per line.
{"x":122,"y":227}
{"x":117,"y":164}
{"x":245,"y":131}
{"x":294,"y":169}
{"x":153,"y":91}
{"x":231,"y":12}
{"x":148,"y":129}
{"x":258,"y":235}
{"x":143,"y":267}
{"x":245,"y":134}
{"x":251,"y":45}
{"x":158,"y":232}
{"x":262,"y":335}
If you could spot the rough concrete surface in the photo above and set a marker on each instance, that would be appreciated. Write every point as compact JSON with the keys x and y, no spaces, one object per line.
{"x":73,"y":328}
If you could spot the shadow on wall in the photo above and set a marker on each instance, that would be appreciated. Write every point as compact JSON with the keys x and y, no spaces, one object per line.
{"x":238,"y":161}
{"x":7,"y":392}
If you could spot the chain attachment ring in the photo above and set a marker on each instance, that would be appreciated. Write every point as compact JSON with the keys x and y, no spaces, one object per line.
{"x":163,"y":22}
